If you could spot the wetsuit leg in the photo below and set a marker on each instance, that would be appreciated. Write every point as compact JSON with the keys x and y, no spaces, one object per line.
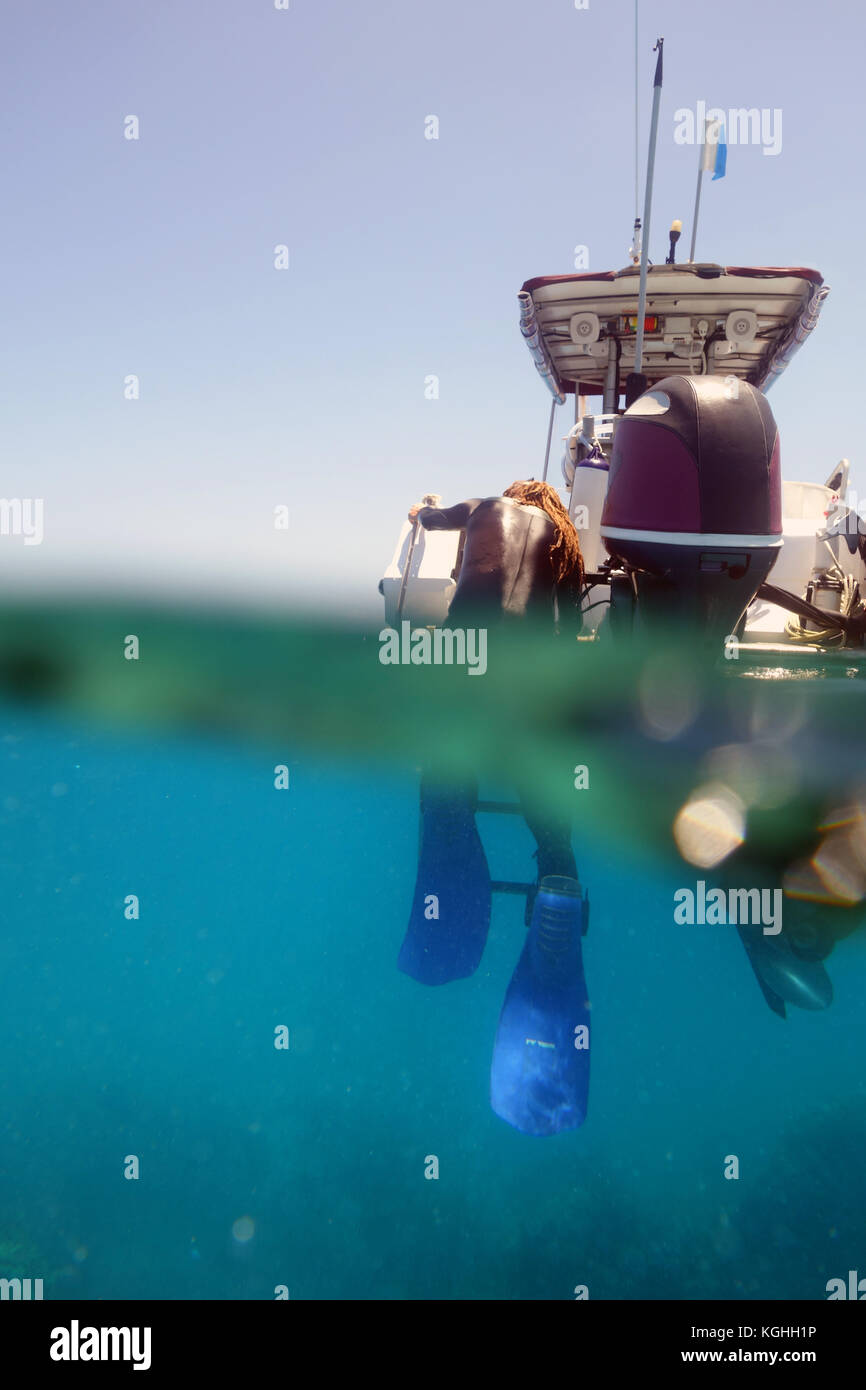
{"x":450,"y":914}
{"x":552,"y":835}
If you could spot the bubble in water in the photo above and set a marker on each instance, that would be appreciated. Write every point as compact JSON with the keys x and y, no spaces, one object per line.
{"x":244,"y":1229}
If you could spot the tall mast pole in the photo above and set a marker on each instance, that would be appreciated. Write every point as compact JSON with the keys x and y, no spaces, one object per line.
{"x":636,"y":131}
{"x":636,"y":384}
{"x":701,"y":152}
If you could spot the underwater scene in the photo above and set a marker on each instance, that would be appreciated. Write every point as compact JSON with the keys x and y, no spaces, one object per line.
{"x":217,"y":1082}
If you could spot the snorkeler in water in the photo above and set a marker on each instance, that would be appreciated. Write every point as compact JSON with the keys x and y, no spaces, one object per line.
{"x":521,"y":562}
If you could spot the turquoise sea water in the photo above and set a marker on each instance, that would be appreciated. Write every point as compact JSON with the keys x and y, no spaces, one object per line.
{"x":155,"y":1037}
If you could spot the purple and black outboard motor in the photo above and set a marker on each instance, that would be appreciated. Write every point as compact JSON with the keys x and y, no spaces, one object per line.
{"x":694,"y":501}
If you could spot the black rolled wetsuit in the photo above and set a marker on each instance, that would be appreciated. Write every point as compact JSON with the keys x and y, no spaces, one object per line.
{"x":506,"y":570}
{"x":506,"y":573}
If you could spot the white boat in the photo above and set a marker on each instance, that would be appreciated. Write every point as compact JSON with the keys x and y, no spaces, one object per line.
{"x":734,"y":324}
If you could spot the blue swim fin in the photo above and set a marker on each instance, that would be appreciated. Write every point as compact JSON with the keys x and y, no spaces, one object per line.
{"x":450,"y":914}
{"x":539,"y":1080}
{"x":785,"y":976}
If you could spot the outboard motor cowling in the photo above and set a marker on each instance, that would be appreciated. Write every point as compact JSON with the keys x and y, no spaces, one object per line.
{"x":694,"y":501}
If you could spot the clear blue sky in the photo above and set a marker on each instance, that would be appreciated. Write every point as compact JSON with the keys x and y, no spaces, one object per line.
{"x":306,"y":127}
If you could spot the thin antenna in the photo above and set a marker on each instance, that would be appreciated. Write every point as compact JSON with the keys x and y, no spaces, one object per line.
{"x":636,"y":382}
{"x":636,"y":131}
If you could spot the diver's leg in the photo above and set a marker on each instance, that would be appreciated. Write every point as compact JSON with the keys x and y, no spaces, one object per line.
{"x":552,"y":835}
{"x":450,"y":914}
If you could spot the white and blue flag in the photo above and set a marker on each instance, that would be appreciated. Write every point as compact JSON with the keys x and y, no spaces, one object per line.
{"x":715,"y":154}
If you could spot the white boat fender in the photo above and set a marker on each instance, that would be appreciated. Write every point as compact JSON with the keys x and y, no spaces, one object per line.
{"x":588,"y":491}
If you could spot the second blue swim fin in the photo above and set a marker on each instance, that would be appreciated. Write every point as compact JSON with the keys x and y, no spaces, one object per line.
{"x":785,"y":976}
{"x":539,"y":1080}
{"x":450,"y":914}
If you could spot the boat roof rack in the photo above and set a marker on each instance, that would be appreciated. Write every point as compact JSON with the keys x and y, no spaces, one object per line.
{"x":740,"y":321}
